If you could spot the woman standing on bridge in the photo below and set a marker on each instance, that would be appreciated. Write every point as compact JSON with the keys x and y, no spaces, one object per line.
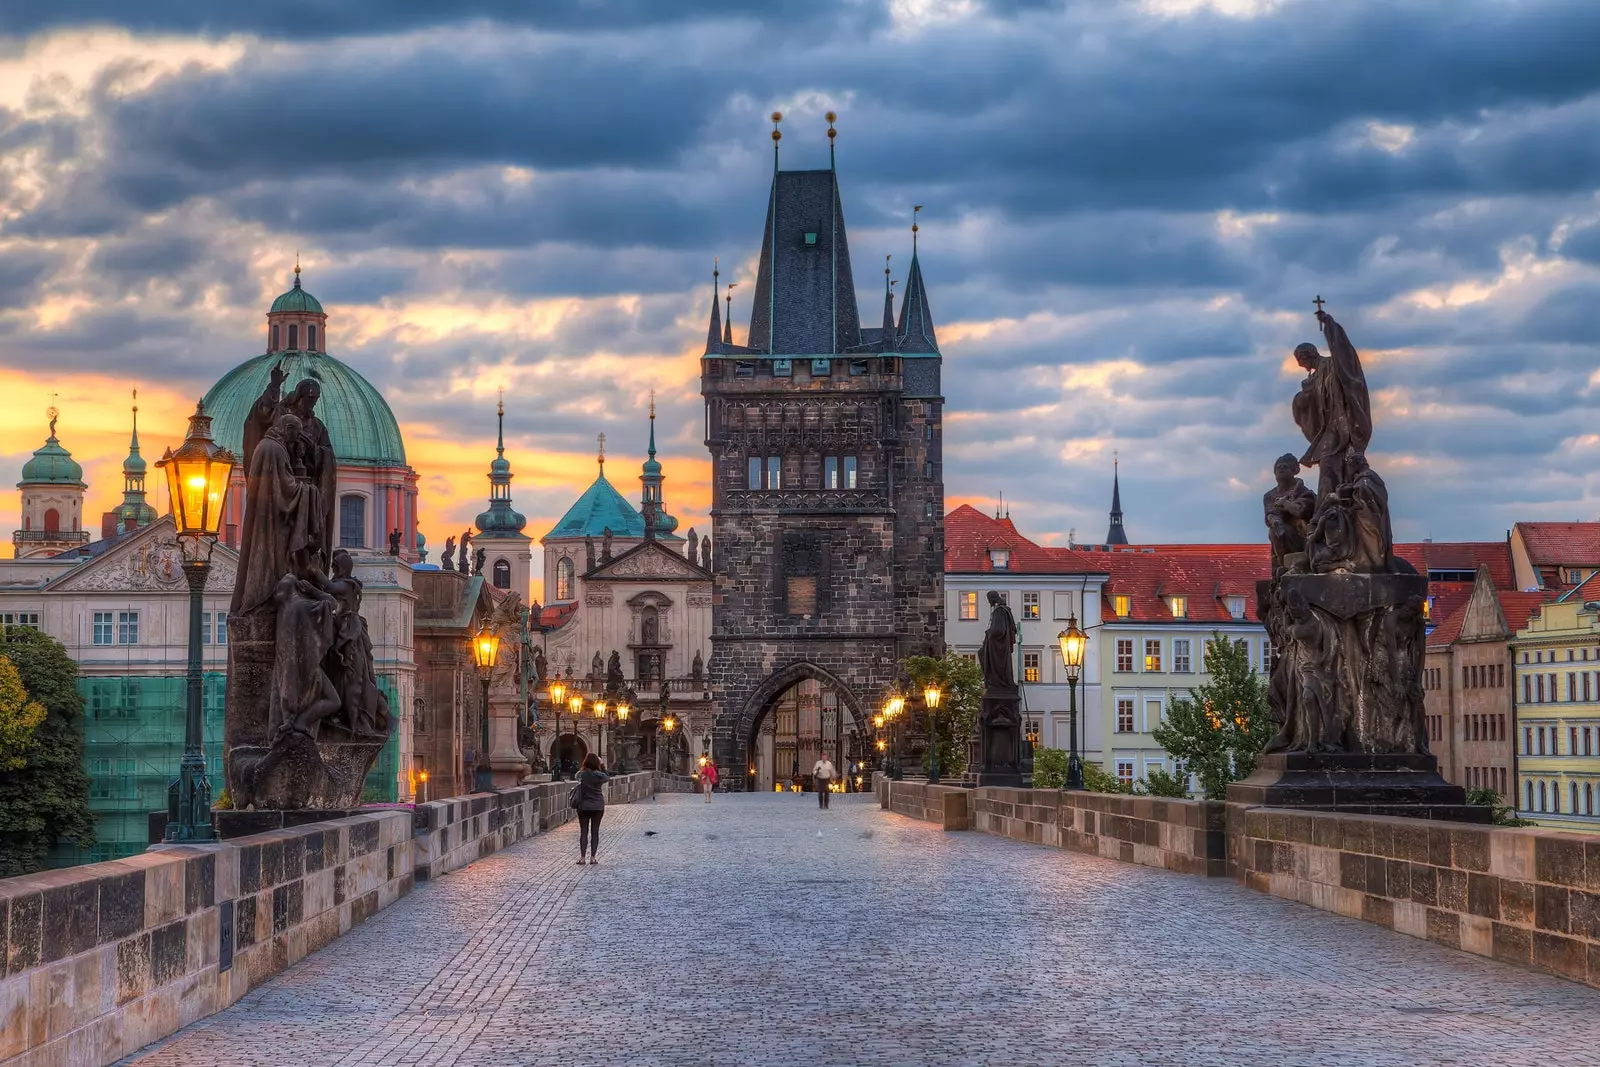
{"x":591,"y":805}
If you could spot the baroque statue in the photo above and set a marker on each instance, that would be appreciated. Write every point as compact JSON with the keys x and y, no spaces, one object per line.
{"x":447,"y":558}
{"x":1345,"y":617}
{"x":305,"y":716}
{"x":1000,"y":712}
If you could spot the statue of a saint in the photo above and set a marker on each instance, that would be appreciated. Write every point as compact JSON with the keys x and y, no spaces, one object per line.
{"x":541,"y":667}
{"x":302,"y":693}
{"x":478,"y":559}
{"x":313,"y":450}
{"x":605,"y":545}
{"x":588,"y":552}
{"x":614,"y":679}
{"x":349,"y":664}
{"x":692,"y":546}
{"x":464,"y":551}
{"x":1332,"y":408}
{"x":1288,"y":507}
{"x":597,"y":667}
{"x":394,"y":542}
{"x":996,"y":654}
{"x":447,"y":558}
{"x":279,"y":522}
{"x":705,"y":552}
{"x":697,"y":669}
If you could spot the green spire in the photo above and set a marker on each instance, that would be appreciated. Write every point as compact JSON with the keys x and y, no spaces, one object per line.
{"x":134,"y":506}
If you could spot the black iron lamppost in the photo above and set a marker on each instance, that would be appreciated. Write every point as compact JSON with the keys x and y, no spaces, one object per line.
{"x":1073,"y":642}
{"x":622,"y":709}
{"x":558,"y":700}
{"x":485,"y":654}
{"x":879,"y":742}
{"x":892,"y":708}
{"x":602,"y":712}
{"x":575,"y":707}
{"x":197,"y":483}
{"x":664,"y":730}
{"x":931,"y":696}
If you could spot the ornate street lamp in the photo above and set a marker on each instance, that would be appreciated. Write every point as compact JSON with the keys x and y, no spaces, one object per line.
{"x":1073,"y":642}
{"x":422,"y":776}
{"x":931,"y":695}
{"x":485,"y":654}
{"x":600,"y":710}
{"x":893,"y":705}
{"x":558,"y":698}
{"x":197,"y":483}
{"x":667,"y":724}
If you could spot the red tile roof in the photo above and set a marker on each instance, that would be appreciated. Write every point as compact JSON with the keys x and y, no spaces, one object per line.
{"x":1460,"y":556}
{"x":1205,"y":578}
{"x":969,"y":534}
{"x":1552,"y":544}
{"x":555,"y":616}
{"x":1519,"y":607}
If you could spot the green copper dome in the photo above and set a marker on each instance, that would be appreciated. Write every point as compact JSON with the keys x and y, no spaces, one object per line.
{"x":599,"y":507}
{"x":297,"y":299}
{"x":52,"y":465}
{"x":360,"y":424}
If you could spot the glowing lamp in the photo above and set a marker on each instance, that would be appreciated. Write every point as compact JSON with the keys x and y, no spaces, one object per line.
{"x":600,"y":708}
{"x":623,"y":710}
{"x":575,"y":705}
{"x":1072,"y":642}
{"x":485,"y":649}
{"x":931,"y":696}
{"x":558,"y":691}
{"x":197,"y":478}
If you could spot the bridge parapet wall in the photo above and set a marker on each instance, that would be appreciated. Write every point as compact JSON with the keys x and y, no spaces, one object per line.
{"x":98,"y":961}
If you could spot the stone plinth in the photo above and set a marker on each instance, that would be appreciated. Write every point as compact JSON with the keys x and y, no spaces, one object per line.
{"x":1358,"y":783}
{"x":1000,"y":739}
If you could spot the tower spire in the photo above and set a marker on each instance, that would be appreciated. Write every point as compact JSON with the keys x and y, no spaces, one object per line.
{"x":602,"y":440}
{"x":500,"y":429}
{"x":714,"y":334}
{"x":727,"y":320}
{"x":1116,"y":535}
{"x":888,"y":307}
{"x":652,"y":449}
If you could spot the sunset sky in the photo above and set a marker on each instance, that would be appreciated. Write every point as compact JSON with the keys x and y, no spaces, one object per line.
{"x":1129,"y":208}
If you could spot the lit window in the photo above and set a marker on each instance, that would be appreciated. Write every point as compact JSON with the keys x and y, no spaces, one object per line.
{"x":1030,"y":605}
{"x":999,"y":558}
{"x":1182,"y":661}
{"x":1125,"y":716}
{"x":1427,"y":608}
{"x":1125,"y":772}
{"x":1120,"y":605}
{"x":564,"y":578}
{"x":1179,"y":606}
{"x":969,"y":605}
{"x":1030,"y":666}
{"x":1152,"y":654}
{"x":1235,"y":607}
{"x":1125,"y":654}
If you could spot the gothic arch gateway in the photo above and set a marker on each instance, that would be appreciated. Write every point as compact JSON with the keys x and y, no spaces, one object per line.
{"x":797,"y":713}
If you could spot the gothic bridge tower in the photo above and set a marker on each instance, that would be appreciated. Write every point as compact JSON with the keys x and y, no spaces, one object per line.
{"x":827,"y":494}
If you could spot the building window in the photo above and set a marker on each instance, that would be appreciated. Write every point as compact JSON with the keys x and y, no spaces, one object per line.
{"x":127,"y":627}
{"x":102,"y":628}
{"x":858,"y":367}
{"x":564,"y":578}
{"x":275,"y":347}
{"x":29,"y":619}
{"x":753,"y":475}
{"x":311,"y":338}
{"x":1179,"y":606}
{"x":1120,"y":605}
{"x":774,"y":472}
{"x":783,"y":368}
{"x":1152,"y":654}
{"x":502,"y":574}
{"x":1000,"y":558}
{"x":1182,"y":661}
{"x":205,"y":627}
{"x":839,"y":472}
{"x":353,"y":521}
{"x":1269,"y":655}
{"x":52,"y":520}
{"x":1124,"y":654}
{"x":222,"y":627}
{"x":1030,"y":666}
{"x":969,"y":605}
{"x":1235,"y":606}
{"x":1152,"y":715}
{"x":821,"y":368}
{"x":1125,"y":715}
{"x":1030,"y":605}
{"x":1125,"y":772}
{"x":294,"y":337}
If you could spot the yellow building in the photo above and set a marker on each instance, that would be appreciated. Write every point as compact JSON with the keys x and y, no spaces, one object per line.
{"x":1557,"y":691}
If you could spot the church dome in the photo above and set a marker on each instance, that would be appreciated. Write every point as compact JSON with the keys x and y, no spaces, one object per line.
{"x":297,"y":299}
{"x":360,"y":425}
{"x":52,"y":465}
{"x":500,"y":521}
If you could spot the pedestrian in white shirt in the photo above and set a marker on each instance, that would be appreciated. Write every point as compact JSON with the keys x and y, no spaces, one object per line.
{"x":822,"y":773}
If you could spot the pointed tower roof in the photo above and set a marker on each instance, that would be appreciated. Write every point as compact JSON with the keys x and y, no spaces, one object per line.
{"x":1116,"y":535}
{"x":805,"y":299}
{"x":714,"y":340}
{"x":916,"y":321}
{"x":134,"y":506}
{"x":500,"y":520}
{"x":662,"y":524}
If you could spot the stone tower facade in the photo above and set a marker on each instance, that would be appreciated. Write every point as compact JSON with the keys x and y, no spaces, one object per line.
{"x":827,"y":486}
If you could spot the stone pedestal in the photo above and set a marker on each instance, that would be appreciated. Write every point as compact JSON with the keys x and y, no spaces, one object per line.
{"x":507,"y":766}
{"x":1000,"y":739}
{"x":1357,"y":783}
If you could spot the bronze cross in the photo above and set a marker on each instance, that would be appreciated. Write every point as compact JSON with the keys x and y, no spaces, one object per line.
{"x":1319,"y":302}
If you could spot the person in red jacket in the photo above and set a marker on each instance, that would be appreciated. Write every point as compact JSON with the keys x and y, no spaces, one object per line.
{"x":708,"y":777}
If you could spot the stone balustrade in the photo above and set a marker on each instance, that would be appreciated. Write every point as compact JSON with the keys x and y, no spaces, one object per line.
{"x":1525,"y":896}
{"x":102,"y":959}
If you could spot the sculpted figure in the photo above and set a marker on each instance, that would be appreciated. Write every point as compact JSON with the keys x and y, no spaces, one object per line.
{"x":705,"y":551}
{"x":349,"y":664}
{"x":597,"y":667}
{"x":1369,"y":508}
{"x":302,"y":694}
{"x":697,"y":669}
{"x":605,"y":545}
{"x":541,"y":666}
{"x":693,"y":546}
{"x":995,"y":656}
{"x":447,"y":558}
{"x":614,"y":679}
{"x":1287,"y":508}
{"x":1315,"y":642}
{"x":312,"y":450}
{"x":1332,"y":408}
{"x":588,"y":552}
{"x":279,"y":519}
{"x":394,"y":542}
{"x":478,"y":559}
{"x":464,"y":551}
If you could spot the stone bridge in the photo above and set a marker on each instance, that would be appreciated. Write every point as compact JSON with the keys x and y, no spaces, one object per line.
{"x":958,"y":927}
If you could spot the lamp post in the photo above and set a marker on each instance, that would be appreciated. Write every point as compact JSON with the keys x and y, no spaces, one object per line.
{"x":665,"y":726}
{"x":623,"y":710}
{"x":558,"y":698}
{"x":892,"y":707}
{"x":197,"y":483}
{"x":602,"y":724}
{"x":575,"y":706}
{"x":422,"y":776}
{"x":485,"y":654}
{"x":931,"y":696}
{"x":1073,"y":642}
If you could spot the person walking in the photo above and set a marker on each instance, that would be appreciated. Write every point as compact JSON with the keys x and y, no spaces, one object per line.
{"x":589,"y":797}
{"x":708,"y":779}
{"x":822,"y":773}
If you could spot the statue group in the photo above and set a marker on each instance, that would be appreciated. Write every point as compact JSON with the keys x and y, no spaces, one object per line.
{"x":1345,"y":615}
{"x":305,"y":716}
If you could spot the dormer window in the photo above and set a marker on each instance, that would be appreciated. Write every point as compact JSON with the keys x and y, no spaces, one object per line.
{"x":1000,"y":558}
{"x":1179,"y":606}
{"x":1121,"y":605}
{"x":782,"y":368}
{"x":1235,"y":606}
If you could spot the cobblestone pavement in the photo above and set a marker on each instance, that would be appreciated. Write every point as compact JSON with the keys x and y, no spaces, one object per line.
{"x":758,"y":930}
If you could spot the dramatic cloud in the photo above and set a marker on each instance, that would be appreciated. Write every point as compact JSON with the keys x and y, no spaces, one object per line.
{"x":1129,"y":208}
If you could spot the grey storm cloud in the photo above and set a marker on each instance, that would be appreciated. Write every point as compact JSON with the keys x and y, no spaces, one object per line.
{"x":1102,"y":186}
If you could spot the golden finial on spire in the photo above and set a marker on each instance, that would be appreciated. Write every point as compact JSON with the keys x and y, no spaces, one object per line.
{"x":297,"y":266}
{"x":602,"y":439}
{"x":777,"y":135}
{"x":52,"y":413}
{"x":832,"y":133}
{"x":652,"y":403}
{"x":501,"y":409}
{"x":915,"y":208}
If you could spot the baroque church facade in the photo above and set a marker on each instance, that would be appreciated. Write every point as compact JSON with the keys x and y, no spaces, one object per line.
{"x":827,"y":494}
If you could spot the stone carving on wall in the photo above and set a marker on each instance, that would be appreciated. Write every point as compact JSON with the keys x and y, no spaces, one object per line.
{"x":832,"y":501}
{"x":150,"y":567}
{"x":305,"y":718}
{"x":598,"y":600}
{"x":649,"y":564}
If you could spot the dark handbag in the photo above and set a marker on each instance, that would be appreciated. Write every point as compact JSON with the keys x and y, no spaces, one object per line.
{"x":572,"y":801}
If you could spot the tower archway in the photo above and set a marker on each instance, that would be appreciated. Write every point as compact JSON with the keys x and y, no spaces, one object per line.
{"x":796,"y":714}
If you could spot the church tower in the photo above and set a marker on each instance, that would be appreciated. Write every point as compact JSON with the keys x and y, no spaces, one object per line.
{"x":827,"y":491}
{"x":508,"y":552}
{"x":652,"y":505}
{"x":134,"y":511}
{"x":52,"y":488}
{"x":1115,"y":534}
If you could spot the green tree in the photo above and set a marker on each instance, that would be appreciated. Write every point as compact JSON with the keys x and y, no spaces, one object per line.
{"x":1219,"y":730}
{"x":1050,"y":772}
{"x":1159,"y":783}
{"x":1503,"y":814}
{"x":961,"y":684}
{"x":19,"y":718}
{"x":47,"y":800}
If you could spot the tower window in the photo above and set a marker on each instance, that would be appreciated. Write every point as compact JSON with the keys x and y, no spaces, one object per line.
{"x":753,"y":475}
{"x":294,"y":336}
{"x":275,"y":337}
{"x":52,"y":520}
{"x":774,"y":472}
{"x":821,"y":368}
{"x":783,"y":368}
{"x":858,"y":367}
{"x":502,"y":574}
{"x":811,"y":238}
{"x":352,"y":510}
{"x":564,"y":578}
{"x":311,"y":338}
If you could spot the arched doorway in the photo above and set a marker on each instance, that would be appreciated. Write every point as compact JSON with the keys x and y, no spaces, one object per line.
{"x":797,"y":715}
{"x":570,"y":748}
